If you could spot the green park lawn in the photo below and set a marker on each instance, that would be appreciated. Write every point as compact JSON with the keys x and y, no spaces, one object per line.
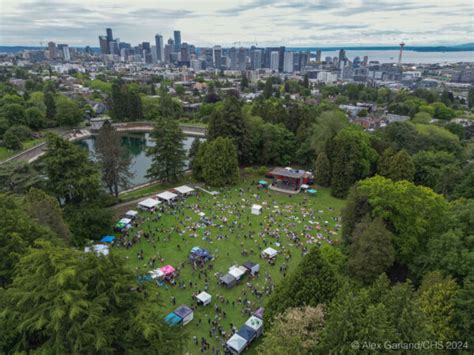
{"x":241,"y":232}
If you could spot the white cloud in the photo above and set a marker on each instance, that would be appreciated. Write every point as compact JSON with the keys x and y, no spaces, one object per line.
{"x":203,"y":23}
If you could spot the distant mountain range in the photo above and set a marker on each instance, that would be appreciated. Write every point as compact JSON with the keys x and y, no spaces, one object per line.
{"x":453,"y":48}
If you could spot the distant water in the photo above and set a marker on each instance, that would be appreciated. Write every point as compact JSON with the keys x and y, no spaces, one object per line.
{"x":415,"y":57}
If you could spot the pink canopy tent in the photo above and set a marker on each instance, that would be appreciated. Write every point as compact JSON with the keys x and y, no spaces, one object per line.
{"x":167,"y":269}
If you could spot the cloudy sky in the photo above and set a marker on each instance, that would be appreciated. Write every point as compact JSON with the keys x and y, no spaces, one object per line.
{"x":308,"y":23}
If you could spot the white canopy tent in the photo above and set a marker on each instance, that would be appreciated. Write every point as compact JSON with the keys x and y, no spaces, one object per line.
{"x":256,"y":209}
{"x":157,"y":274}
{"x":98,"y":249}
{"x":131,"y":214}
{"x":125,"y":220}
{"x":148,"y":204}
{"x":184,"y":190}
{"x":269,"y":253}
{"x":256,"y":324}
{"x":236,"y":344}
{"x":204,"y":298}
{"x":237,"y":271}
{"x":167,"y":196}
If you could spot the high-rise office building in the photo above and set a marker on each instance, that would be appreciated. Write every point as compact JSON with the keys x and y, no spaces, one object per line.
{"x":233,"y":58}
{"x":113,"y":47}
{"x":177,"y":41}
{"x":242,"y":59}
{"x":274,"y":60}
{"x":342,"y":55}
{"x":154,"y":57}
{"x":64,"y":51}
{"x":159,"y":48}
{"x":167,"y":53}
{"x":318,"y":55}
{"x":256,"y":59}
{"x":110,"y":37}
{"x":184,"y":52}
{"x":288,"y":62}
{"x":196,"y":64}
{"x":104,"y":45}
{"x":217,"y":57}
{"x":52,"y":50}
{"x":281,"y":57}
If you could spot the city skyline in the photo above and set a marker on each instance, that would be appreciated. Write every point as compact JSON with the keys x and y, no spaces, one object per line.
{"x":243,"y":23}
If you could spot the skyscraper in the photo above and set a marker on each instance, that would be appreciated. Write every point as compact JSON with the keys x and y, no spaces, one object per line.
{"x":242,"y":59}
{"x":168,"y":50}
{"x":342,"y":55}
{"x":184,"y":52}
{"x":288,"y":62}
{"x":104,"y":45}
{"x":52,"y":50}
{"x":177,"y":41}
{"x":64,"y":51}
{"x":281,"y":57}
{"x":256,"y":59}
{"x":113,"y":47}
{"x":109,"y":34}
{"x":274,"y":60}
{"x":233,"y":58}
{"x":159,"y":47}
{"x":318,"y":55}
{"x":217,"y":56}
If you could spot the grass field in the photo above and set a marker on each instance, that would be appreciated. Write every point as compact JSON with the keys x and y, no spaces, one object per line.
{"x":176,"y":231}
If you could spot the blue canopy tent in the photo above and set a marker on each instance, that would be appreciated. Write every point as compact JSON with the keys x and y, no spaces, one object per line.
{"x":185,"y":313}
{"x":263,"y":183}
{"x":173,"y":319}
{"x":312,"y":191}
{"x":108,"y":239}
{"x":200,"y":253}
{"x":247,"y":333}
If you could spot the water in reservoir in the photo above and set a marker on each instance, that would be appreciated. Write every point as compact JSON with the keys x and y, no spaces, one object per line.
{"x":136,"y":144}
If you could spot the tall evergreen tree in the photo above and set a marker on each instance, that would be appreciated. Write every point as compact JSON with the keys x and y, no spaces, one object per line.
{"x":216,"y":162}
{"x":371,"y":252}
{"x":45,"y":211}
{"x":168,"y":154}
{"x":134,"y":106}
{"x":72,"y":177}
{"x":437,"y":300}
{"x":351,"y":159}
{"x":113,"y":158}
{"x":119,"y":101}
{"x":193,"y":151}
{"x":322,"y":170}
{"x":268,"y":88}
{"x":314,"y":281}
{"x":230,"y":122}
{"x":50,"y":104}
{"x":65,"y":301}
{"x":18,"y":231}
{"x":397,"y":165}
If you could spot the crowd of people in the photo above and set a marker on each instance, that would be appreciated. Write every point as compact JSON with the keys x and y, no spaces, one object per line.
{"x":213,"y":222}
